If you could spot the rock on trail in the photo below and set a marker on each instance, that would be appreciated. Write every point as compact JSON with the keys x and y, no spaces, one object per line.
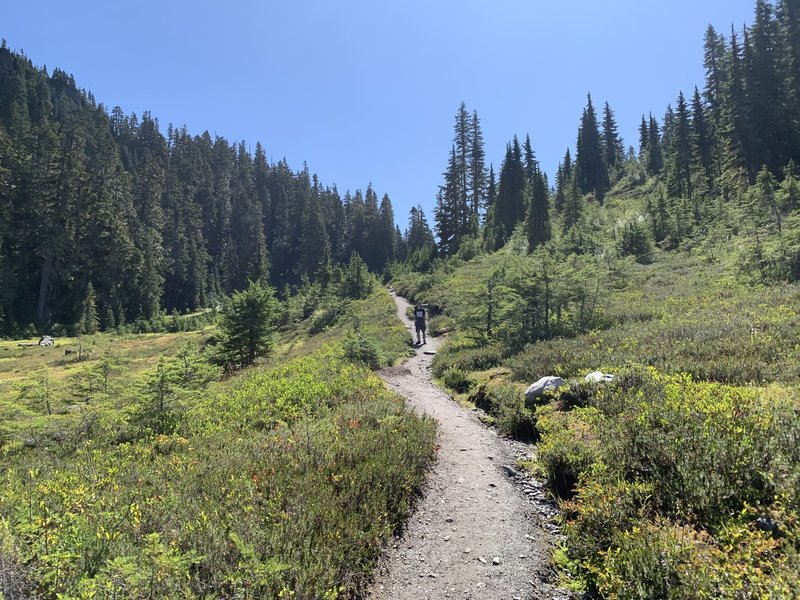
{"x":481,"y":530}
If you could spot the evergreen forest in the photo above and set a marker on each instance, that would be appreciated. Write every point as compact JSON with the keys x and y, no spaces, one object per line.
{"x":100,"y":211}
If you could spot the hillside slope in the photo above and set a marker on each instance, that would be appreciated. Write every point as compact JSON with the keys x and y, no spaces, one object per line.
{"x":678,"y":479}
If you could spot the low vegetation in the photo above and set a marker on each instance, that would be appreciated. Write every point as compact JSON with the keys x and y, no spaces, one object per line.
{"x":165,"y":482}
{"x":678,"y":479}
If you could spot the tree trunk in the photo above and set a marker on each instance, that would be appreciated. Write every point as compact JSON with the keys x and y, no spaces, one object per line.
{"x":44,"y":288}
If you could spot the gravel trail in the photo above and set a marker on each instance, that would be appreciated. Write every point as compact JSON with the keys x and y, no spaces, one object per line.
{"x":481,"y":530}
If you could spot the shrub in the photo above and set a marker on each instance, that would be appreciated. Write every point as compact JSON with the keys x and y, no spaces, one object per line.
{"x":514,"y":418}
{"x":283,"y":482}
{"x":673,"y":478}
{"x":325,"y":316}
{"x":363,"y":350}
{"x":570,"y":445}
{"x":635,"y":241}
{"x":470,"y":359}
{"x":601,"y":509}
{"x":456,"y":380}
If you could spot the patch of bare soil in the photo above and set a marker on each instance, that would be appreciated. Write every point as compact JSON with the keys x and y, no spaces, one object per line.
{"x":482,"y":530}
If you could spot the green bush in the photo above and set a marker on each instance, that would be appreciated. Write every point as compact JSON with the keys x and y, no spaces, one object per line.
{"x":569,"y":445}
{"x":326,"y":316}
{"x":664,"y":474}
{"x":514,"y":418}
{"x":281,"y":482}
{"x":363,"y":350}
{"x":456,"y":380}
{"x":451,"y":356}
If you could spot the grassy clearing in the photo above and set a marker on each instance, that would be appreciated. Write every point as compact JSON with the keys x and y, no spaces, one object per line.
{"x":140,"y":352}
{"x":282,"y":481}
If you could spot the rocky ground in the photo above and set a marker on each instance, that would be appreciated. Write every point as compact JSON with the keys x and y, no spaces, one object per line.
{"x":482,"y":529}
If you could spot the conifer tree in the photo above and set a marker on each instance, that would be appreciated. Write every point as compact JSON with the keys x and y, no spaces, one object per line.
{"x":767,"y":201}
{"x":89,"y":321}
{"x":537,"y":223}
{"x":464,"y":189}
{"x":643,"y":140}
{"x":681,"y":156}
{"x":356,"y":282}
{"x":419,"y":234}
{"x":385,"y":249}
{"x":567,"y":166}
{"x":531,"y":164}
{"x":667,"y":126}
{"x":248,"y":324}
{"x":766,"y":92}
{"x":788,"y":15}
{"x":261,"y":183}
{"x":149,"y":148}
{"x":589,"y":157}
{"x":790,"y":189}
{"x":716,"y":73}
{"x":449,"y":213}
{"x":734,"y":113}
{"x":701,"y":135}
{"x":460,"y":166}
{"x":573,"y":206}
{"x":655,"y":158}
{"x":445,"y":223}
{"x":560,"y":197}
{"x":610,"y":140}
{"x":491,"y":189}
{"x":476,"y":173}
{"x":510,"y":206}
{"x":312,"y":235}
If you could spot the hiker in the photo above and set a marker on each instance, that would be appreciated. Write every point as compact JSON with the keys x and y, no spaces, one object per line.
{"x":419,"y":321}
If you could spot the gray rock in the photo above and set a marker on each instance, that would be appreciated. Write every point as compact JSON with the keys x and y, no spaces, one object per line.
{"x":509,"y":470}
{"x":538,"y":389}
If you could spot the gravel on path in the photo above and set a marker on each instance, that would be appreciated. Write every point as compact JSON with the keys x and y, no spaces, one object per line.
{"x":481,"y":530}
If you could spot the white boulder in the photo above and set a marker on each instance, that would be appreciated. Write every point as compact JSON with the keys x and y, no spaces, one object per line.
{"x":598,"y":377}
{"x":549,"y":382}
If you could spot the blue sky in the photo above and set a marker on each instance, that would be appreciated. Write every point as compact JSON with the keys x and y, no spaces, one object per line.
{"x":367,"y":91}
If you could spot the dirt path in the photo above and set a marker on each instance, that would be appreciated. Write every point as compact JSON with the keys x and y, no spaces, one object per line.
{"x":481,"y":531}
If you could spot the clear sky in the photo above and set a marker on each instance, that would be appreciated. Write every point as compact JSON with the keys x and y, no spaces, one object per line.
{"x":367,"y":90}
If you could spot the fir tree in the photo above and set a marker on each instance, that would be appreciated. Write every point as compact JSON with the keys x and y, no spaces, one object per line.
{"x":681,"y":156}
{"x":655,"y":157}
{"x":537,"y":223}
{"x":510,"y":206}
{"x":247,"y":324}
{"x":419,"y":234}
{"x":531,"y":164}
{"x":716,"y":75}
{"x":476,"y":167}
{"x":89,"y":322}
{"x":788,"y":15}
{"x":464,"y":189}
{"x":702,"y":137}
{"x":610,"y":140}
{"x":573,"y":206}
{"x":491,"y":190}
{"x":589,"y":157}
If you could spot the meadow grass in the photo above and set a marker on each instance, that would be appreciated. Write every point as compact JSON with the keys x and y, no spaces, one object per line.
{"x":281,"y":481}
